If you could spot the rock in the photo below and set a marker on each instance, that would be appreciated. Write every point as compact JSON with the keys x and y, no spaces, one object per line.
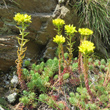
{"x":42,"y":6}
{"x":14,"y":80}
{"x":12,"y":97}
{"x":7,"y":13}
{"x":8,"y":51}
{"x":1,"y":108}
{"x":57,"y":11}
{"x":8,"y":47}
{"x":50,"y":50}
{"x":61,"y":1}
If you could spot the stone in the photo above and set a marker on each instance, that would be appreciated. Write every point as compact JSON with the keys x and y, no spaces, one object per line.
{"x":8,"y":51}
{"x":12,"y":97}
{"x":42,"y":6}
{"x":50,"y":50}
{"x":14,"y":80}
{"x":1,"y":108}
{"x":61,"y":1}
{"x":8,"y":13}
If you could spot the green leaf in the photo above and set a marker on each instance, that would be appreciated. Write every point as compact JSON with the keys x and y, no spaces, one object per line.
{"x":55,"y":77}
{"x":71,"y":94}
{"x":66,"y":76}
{"x":24,"y":100}
{"x":73,"y":100}
{"x":25,"y":72}
{"x":61,"y":105}
{"x":43,"y":97}
{"x":26,"y":63}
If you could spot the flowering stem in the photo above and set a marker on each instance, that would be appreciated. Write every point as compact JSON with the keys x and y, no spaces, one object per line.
{"x":58,"y":31}
{"x":80,"y":64}
{"x":22,"y":33}
{"x":20,"y":54}
{"x":70,"y":49}
{"x":107,"y":77}
{"x":63,"y":53}
{"x":59,"y":62}
{"x":21,"y":19}
{"x":86,"y":77}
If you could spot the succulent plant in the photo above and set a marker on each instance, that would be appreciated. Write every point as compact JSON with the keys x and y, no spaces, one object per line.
{"x":28,"y":99}
{"x":26,"y":63}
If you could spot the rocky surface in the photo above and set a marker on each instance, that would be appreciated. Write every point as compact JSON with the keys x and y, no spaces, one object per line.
{"x":41,"y":29}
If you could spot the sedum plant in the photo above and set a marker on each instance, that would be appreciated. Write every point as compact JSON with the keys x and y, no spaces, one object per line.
{"x":95,"y":94}
{"x":70,"y":32}
{"x":58,"y":23}
{"x":38,"y":78}
{"x":23,"y":21}
{"x":94,"y":90}
{"x":85,"y":33}
{"x":28,"y":99}
{"x":49,"y":100}
{"x":39,"y":75}
{"x":86,"y":48}
{"x":59,"y":40}
{"x":82,"y":99}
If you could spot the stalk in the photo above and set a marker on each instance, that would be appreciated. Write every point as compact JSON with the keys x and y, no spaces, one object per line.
{"x":80,"y":63}
{"x":22,"y":20}
{"x":70,"y":49}
{"x":59,"y":63}
{"x":21,"y":55}
{"x":86,"y":77}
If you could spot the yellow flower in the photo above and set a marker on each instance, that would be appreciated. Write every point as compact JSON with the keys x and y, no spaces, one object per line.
{"x":20,"y":18}
{"x":70,"y":29}
{"x":58,"y":22}
{"x":59,"y":39}
{"x":86,"y":47}
{"x":85,"y":31}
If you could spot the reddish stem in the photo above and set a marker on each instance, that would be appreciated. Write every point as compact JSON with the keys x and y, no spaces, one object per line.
{"x":86,"y":78}
{"x":21,"y":81}
{"x":80,"y":64}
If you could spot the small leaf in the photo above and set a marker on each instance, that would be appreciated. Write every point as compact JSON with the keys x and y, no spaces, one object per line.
{"x":66,"y":76}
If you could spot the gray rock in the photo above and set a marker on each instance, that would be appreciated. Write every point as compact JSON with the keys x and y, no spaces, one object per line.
{"x":12,"y":97}
{"x":1,"y":108}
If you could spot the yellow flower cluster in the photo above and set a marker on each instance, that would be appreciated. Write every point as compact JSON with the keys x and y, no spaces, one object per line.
{"x":20,"y":18}
{"x":86,"y":47}
{"x":58,"y":22}
{"x":59,"y":39}
{"x":85,"y":31}
{"x":70,"y":29}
